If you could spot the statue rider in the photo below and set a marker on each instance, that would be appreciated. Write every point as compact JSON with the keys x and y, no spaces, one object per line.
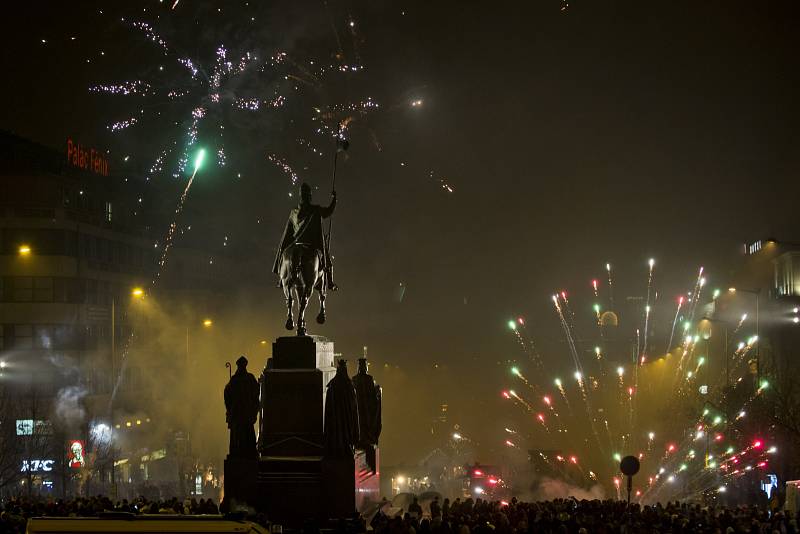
{"x":305,"y":227}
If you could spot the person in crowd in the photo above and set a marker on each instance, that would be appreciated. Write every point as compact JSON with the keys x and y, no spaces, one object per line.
{"x":436,"y":508}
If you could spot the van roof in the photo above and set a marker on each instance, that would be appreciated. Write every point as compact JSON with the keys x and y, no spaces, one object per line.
{"x":116,"y":522}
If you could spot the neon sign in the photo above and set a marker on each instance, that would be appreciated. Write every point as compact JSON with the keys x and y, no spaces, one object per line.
{"x":88,"y":159}
{"x":36,"y":466}
{"x":75,"y":454}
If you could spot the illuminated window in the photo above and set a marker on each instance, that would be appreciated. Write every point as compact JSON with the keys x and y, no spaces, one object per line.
{"x":109,"y":211}
{"x":24,"y":427}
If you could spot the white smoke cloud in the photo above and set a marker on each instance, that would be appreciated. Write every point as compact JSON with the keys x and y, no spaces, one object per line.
{"x":550,"y":488}
{"x":68,"y":405}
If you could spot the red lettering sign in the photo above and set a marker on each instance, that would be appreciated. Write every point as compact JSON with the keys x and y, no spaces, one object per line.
{"x":90,"y":159}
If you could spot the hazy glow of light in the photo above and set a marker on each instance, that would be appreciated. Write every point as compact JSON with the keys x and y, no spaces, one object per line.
{"x":198,"y":160}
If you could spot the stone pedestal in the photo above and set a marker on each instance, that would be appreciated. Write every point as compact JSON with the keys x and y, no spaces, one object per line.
{"x":295,"y":482}
{"x":368,"y":486}
{"x":240,"y":481}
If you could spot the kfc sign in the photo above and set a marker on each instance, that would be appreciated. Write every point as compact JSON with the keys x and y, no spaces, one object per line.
{"x":75,"y":454}
{"x":88,"y":159}
{"x":37,"y":466}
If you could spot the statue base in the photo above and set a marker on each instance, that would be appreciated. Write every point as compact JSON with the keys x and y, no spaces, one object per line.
{"x":294,"y":480}
{"x":240,"y":482}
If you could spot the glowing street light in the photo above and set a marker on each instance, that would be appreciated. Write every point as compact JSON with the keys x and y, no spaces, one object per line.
{"x":207,"y":322}
{"x":137,"y":292}
{"x":24,"y":250}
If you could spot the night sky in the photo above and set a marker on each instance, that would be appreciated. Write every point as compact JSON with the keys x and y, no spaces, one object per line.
{"x":606,"y":132}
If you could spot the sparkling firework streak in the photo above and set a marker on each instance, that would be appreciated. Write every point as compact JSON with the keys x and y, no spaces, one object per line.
{"x":540,"y":418}
{"x":563,"y":392}
{"x":516,"y":372}
{"x":178,"y":210}
{"x":519,"y":399}
{"x":647,"y":308}
{"x":285,"y":167}
{"x":674,"y":323}
{"x":526,"y":342}
{"x":122,"y":125}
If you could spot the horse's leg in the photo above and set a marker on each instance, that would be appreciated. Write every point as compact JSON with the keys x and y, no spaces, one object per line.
{"x":321,"y":314}
{"x":302,"y":302}
{"x":287,"y":292}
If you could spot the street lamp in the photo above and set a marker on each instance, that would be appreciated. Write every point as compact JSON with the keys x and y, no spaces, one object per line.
{"x":207,"y":323}
{"x":137,"y":293}
{"x":24,"y":250}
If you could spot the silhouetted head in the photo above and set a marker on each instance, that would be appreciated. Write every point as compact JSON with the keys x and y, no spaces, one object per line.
{"x":241,"y":363}
{"x":363,"y":366}
{"x":305,"y":193}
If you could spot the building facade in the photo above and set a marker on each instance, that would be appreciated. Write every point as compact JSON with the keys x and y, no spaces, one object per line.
{"x":75,"y":256}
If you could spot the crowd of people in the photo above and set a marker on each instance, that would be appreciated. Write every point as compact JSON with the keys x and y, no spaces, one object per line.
{"x":559,"y":516}
{"x":568,"y":516}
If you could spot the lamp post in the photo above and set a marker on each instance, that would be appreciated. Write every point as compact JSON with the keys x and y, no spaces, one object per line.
{"x":757,"y":293}
{"x":138,"y":293}
{"x":207,"y":323}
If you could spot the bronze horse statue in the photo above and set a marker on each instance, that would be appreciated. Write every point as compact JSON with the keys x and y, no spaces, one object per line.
{"x":301,"y":270}
{"x":303,"y":262}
